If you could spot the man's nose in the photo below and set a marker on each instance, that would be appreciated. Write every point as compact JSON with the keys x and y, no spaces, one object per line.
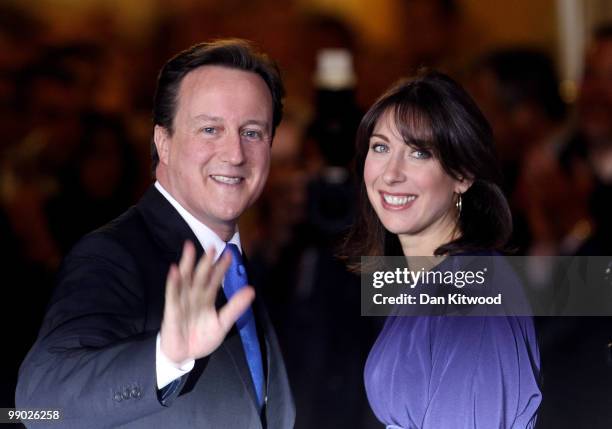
{"x":233,"y":150}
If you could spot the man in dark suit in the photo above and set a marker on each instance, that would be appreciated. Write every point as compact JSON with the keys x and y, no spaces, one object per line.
{"x":137,"y":334}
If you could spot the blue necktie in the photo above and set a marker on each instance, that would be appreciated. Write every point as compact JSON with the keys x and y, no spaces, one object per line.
{"x":236,"y":279}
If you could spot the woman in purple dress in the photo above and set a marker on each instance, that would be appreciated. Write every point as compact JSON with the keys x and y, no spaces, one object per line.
{"x":430,"y":188}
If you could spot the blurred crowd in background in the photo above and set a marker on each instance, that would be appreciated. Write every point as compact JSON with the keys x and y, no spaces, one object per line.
{"x":74,"y":154}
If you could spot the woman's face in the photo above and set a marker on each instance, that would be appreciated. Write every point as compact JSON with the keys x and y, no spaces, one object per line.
{"x":410,"y":192}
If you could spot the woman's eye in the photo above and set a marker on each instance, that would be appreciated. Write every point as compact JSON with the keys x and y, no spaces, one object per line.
{"x":209,"y":130}
{"x":421,"y":154}
{"x":380,"y":148}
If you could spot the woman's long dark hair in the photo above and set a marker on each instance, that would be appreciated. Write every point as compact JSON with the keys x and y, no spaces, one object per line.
{"x":460,"y":137}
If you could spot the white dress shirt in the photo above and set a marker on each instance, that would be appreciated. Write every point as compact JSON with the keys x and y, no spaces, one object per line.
{"x":168,"y":371}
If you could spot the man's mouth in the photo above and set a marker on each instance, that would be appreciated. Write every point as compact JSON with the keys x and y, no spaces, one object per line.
{"x":227,"y":180}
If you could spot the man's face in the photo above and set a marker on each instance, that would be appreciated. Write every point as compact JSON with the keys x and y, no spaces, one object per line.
{"x":216,"y":162}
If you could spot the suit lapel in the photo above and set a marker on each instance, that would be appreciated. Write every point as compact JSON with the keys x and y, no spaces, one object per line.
{"x":233,"y":346}
{"x":166,"y":226}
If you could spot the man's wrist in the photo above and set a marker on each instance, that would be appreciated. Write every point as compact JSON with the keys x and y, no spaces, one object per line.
{"x":167,"y":370}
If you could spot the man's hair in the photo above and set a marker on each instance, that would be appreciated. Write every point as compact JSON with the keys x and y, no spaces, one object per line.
{"x":233,"y":53}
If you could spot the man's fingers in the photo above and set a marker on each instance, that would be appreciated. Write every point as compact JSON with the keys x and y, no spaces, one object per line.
{"x":230,"y":312}
{"x":172,"y":286}
{"x":187,"y":261}
{"x":217,"y":274}
{"x":203,"y":268}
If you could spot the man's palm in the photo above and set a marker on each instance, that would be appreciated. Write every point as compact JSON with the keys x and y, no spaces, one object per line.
{"x":192,"y":326}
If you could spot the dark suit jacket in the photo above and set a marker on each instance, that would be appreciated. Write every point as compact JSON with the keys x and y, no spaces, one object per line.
{"x":95,"y":354}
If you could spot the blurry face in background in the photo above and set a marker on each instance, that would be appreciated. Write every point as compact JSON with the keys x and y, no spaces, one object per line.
{"x":55,"y":112}
{"x":102,"y":167}
{"x":595,"y":101}
{"x":595,"y":108}
{"x":409,"y":190}
{"x":484,"y":89}
{"x":430,"y":30}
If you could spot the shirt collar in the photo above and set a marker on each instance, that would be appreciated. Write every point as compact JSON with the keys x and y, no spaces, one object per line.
{"x":206,"y":236}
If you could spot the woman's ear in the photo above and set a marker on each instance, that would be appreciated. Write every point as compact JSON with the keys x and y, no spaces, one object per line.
{"x":462,"y":185}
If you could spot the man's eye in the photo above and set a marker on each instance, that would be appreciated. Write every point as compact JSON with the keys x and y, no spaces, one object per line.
{"x":209,"y":130}
{"x":252,"y":134}
{"x":380,"y":148}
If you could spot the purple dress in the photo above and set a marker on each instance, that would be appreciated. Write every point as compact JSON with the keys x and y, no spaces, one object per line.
{"x":437,"y":372}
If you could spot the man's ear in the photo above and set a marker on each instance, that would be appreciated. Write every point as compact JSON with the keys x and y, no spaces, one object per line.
{"x":162,"y":143}
{"x":462,"y":185}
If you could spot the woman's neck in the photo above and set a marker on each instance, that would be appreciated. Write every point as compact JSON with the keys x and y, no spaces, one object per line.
{"x":426,"y":243}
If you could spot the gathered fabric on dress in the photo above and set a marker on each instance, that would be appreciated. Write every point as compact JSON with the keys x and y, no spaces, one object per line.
{"x":436,"y":372}
{"x":455,"y":372}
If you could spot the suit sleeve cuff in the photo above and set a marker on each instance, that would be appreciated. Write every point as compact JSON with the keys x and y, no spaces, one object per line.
{"x":168,"y":371}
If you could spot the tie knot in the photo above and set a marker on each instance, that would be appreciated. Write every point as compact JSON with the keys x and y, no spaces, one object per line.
{"x":231,"y":247}
{"x":237,"y":264}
